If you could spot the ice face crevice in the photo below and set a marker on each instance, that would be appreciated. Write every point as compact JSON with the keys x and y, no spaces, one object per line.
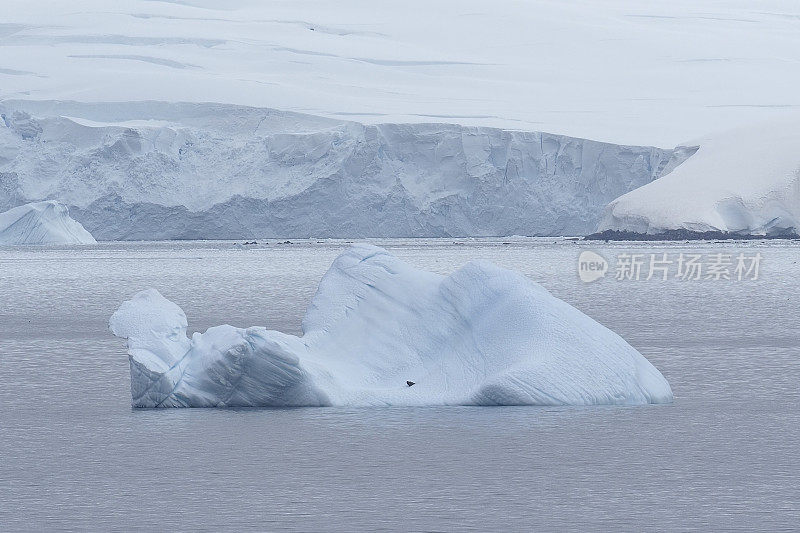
{"x":480,"y":336}
{"x":156,"y":171}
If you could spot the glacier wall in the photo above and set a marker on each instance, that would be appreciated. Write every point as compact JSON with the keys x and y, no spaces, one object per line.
{"x":153,"y":170}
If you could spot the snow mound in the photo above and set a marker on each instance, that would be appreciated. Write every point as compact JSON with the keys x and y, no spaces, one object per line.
{"x":480,"y":336}
{"x":152,"y":171}
{"x":41,"y":223}
{"x":742,"y":182}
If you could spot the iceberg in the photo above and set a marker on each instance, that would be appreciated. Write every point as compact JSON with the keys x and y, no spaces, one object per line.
{"x":41,"y":223}
{"x":482,"y":335}
{"x":740,"y":183}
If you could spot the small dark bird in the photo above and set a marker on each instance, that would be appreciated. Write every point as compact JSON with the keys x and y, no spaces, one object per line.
{"x":409,"y":383}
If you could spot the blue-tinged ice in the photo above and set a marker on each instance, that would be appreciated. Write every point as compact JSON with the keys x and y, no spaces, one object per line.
{"x":483,"y":335}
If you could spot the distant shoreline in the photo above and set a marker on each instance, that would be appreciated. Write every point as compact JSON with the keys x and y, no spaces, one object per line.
{"x":683,"y":235}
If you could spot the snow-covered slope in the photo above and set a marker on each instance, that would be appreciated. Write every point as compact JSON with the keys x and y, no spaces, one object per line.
{"x":41,"y":223}
{"x":622,"y":71}
{"x":741,"y":182}
{"x":481,"y":336}
{"x":163,"y":171}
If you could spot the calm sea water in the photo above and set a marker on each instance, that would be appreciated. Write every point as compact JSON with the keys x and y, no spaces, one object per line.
{"x":74,"y":455}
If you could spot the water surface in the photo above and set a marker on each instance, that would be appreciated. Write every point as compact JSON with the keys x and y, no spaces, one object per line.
{"x":74,"y":455}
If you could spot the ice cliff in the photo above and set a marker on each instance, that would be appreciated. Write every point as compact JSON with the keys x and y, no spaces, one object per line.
{"x":744,"y":182}
{"x":480,"y":336}
{"x":41,"y":223}
{"x":204,"y":171}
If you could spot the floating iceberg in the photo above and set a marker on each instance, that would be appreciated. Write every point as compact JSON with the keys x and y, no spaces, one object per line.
{"x":744,"y":182}
{"x":41,"y":223}
{"x":480,"y":336}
